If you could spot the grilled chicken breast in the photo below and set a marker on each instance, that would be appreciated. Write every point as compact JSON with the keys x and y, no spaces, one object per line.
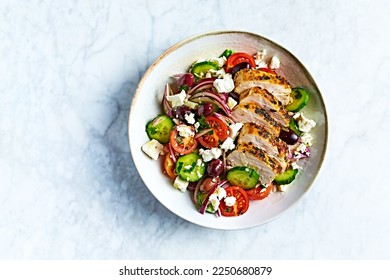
{"x":267,"y":101}
{"x":276,"y":85}
{"x":253,"y":113}
{"x":246,"y":154}
{"x":273,"y":146}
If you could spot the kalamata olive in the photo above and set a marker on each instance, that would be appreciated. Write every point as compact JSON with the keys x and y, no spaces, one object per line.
{"x":289,"y":136}
{"x":215,"y":167}
{"x":205,"y":109}
{"x":180,"y":111}
{"x":240,"y":66}
{"x":208,"y":183}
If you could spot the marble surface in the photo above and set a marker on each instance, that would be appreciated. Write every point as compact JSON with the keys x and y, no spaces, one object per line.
{"x":68,"y":186}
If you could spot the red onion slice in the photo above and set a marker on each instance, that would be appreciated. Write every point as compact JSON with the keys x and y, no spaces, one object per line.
{"x":203,"y":132}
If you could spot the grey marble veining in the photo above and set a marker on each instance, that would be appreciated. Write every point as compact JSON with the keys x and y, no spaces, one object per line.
{"x":68,"y":186}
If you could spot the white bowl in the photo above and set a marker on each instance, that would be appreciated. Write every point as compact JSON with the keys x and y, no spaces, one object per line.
{"x":146,"y":105}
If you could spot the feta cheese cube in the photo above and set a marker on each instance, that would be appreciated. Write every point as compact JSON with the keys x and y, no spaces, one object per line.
{"x":228,"y":144}
{"x":230,"y":200}
{"x":153,"y":148}
{"x":180,"y":184}
{"x":197,"y":125}
{"x":304,"y":124}
{"x":211,"y":154}
{"x":177,"y":99}
{"x":226,"y":84}
{"x":275,"y":63}
{"x":306,"y":138}
{"x":231,"y":102}
{"x":259,"y":59}
{"x":190,"y":118}
{"x":220,"y":61}
{"x":214,"y":201}
{"x":236,"y":127}
{"x":220,"y":192}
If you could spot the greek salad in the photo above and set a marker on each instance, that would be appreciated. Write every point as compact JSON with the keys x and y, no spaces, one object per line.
{"x":231,"y":131}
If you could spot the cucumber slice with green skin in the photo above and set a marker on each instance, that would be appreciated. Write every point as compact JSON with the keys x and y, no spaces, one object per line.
{"x":300,"y":99}
{"x":244,"y":177}
{"x":201,"y":68}
{"x":188,"y":169}
{"x":160,"y":128}
{"x":200,"y":197}
{"x":286,"y":177}
{"x":294,"y":127}
{"x":227,"y":53}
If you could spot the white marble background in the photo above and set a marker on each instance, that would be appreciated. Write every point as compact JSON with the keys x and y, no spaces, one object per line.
{"x":68,"y":186}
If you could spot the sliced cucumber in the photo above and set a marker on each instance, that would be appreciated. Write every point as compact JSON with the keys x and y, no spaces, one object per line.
{"x":300,"y":99}
{"x":200,"y":69}
{"x":243,"y":177}
{"x":160,"y":128}
{"x":188,"y":169}
{"x":286,"y":177}
{"x":227,"y":53}
{"x":294,"y":127}
{"x":200,"y":197}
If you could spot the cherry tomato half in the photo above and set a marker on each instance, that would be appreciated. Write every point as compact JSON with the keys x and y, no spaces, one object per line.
{"x":237,"y":58}
{"x":183,"y":145}
{"x":241,"y":205}
{"x":259,"y":193}
{"x":219,"y":133}
{"x":169,"y":166}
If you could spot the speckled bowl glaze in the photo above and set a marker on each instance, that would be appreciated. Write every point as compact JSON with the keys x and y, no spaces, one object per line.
{"x":146,"y":105}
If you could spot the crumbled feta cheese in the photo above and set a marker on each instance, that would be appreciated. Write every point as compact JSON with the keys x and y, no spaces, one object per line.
{"x":282,"y":188}
{"x":220,"y":73}
{"x":230,"y":201}
{"x":262,"y":64}
{"x":177,"y":99}
{"x":153,"y":148}
{"x":228,"y":144}
{"x":275,"y":63}
{"x":213,"y":199}
{"x":190,"y":104}
{"x":306,"y":138}
{"x":185,"y":131}
{"x":304,"y":124}
{"x":231,"y":102}
{"x":295,"y":165}
{"x":190,"y":118}
{"x":259,"y":56}
{"x":180,"y":184}
{"x":226,"y":84}
{"x":301,"y":148}
{"x":220,"y":61}
{"x":199,"y":162}
{"x":220,"y":192}
{"x":188,"y":167}
{"x":236,"y":127}
{"x":196,"y":125}
{"x":208,"y":75}
{"x":208,"y":155}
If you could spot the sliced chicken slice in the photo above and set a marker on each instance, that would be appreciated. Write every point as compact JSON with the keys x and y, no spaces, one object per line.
{"x":274,"y":84}
{"x":253,"y":113}
{"x":259,"y":137}
{"x":248,"y":155}
{"x":267,"y":101}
